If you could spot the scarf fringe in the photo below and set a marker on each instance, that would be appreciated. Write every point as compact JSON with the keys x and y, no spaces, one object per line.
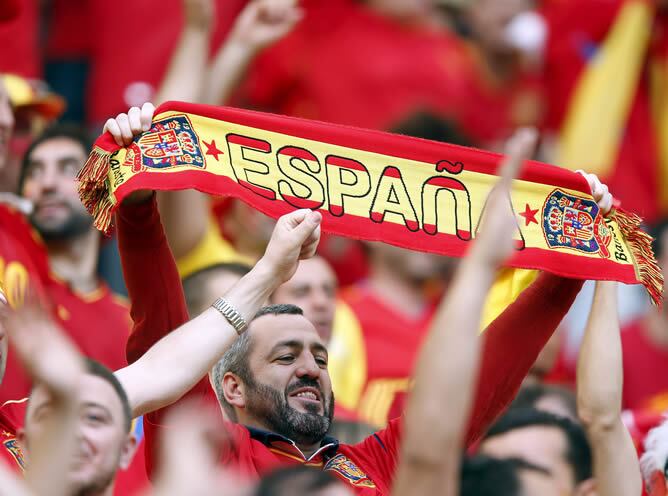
{"x":94,"y":188}
{"x":640,"y":244}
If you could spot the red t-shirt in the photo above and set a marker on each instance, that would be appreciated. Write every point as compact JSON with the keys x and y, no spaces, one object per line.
{"x":98,"y":323}
{"x":158,"y":306}
{"x":361,"y":69}
{"x":392,"y":340}
{"x":645,"y":371}
{"x":11,"y":417}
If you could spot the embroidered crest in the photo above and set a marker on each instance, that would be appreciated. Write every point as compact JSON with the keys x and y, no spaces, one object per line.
{"x":575,"y":223}
{"x":13,"y":447}
{"x":171,"y":142}
{"x":351,"y":472}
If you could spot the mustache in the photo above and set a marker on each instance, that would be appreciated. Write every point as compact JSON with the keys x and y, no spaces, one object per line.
{"x":305,"y":382}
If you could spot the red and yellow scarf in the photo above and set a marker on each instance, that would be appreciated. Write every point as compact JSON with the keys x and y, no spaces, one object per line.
{"x":370,"y":185}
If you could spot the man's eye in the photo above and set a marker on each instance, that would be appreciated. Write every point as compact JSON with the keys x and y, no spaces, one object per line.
{"x":321,"y":361}
{"x":286,"y":359}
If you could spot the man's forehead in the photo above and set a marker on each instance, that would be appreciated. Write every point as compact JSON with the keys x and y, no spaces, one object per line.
{"x":93,"y":390}
{"x":313,"y":270}
{"x":270,"y":330}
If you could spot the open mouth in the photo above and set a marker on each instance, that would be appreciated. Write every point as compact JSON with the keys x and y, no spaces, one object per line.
{"x":307,"y":394}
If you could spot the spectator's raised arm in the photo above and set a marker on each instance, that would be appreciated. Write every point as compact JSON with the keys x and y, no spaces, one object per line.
{"x":447,"y":369}
{"x":55,"y":366}
{"x":599,"y":396}
{"x":183,"y":357}
{"x":261,"y":23}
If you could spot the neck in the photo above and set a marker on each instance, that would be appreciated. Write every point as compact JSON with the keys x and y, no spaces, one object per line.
{"x":75,"y":260}
{"x":397,"y":291}
{"x":656,"y":328}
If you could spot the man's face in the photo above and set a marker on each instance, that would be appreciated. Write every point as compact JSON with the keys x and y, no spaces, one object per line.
{"x":217,"y":283}
{"x":50,"y":183}
{"x":535,"y":483}
{"x":313,"y":289}
{"x":289,"y":391}
{"x":104,"y":446}
{"x":413,"y":266}
{"x":542,"y":446}
{"x":490,"y":18}
{"x":6,"y":123}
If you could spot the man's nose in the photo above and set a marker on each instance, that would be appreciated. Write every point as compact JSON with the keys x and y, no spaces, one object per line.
{"x":308,"y":368}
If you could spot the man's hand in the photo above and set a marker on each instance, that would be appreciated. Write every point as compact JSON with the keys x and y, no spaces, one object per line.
{"x":50,"y":358}
{"x":189,"y":455}
{"x":125,"y":127}
{"x":599,"y":191}
{"x":199,"y":14}
{"x":263,"y":22}
{"x":295,"y":237}
{"x":494,"y":242}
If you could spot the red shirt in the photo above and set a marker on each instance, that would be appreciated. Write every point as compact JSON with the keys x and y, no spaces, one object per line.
{"x":645,"y":371}
{"x":346,"y":64}
{"x":158,"y":306}
{"x":11,"y":416}
{"x":392,"y":340}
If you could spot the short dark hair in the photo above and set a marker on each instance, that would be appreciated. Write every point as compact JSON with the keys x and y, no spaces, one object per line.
{"x":486,"y":476}
{"x":298,"y":479}
{"x":73,"y":132}
{"x":279,"y":309}
{"x":531,"y":394}
{"x":427,"y":125}
{"x":578,"y":451}
{"x":235,"y":359}
{"x":95,"y":368}
{"x":195,"y":283}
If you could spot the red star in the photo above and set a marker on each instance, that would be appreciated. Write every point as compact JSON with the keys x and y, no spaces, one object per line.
{"x":212,"y":150}
{"x":529,"y":215}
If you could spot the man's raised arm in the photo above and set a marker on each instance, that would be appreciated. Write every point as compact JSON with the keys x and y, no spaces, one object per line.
{"x":447,"y":369}
{"x":180,"y":359}
{"x":599,"y":397}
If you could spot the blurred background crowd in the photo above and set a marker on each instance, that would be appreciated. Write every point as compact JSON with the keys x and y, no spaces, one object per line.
{"x":590,"y":75}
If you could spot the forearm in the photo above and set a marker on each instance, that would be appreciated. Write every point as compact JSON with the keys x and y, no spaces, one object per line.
{"x":599,"y":397}
{"x":179,"y":360}
{"x":445,"y":375}
{"x":226,"y":72}
{"x":512,"y":344}
{"x":185,"y":73}
{"x":11,"y":484}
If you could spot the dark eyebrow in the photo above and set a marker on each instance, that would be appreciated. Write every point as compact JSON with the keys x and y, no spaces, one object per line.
{"x":291,"y":343}
{"x":317,"y":347}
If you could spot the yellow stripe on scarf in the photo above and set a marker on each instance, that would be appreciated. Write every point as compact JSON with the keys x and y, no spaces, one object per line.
{"x":600,"y":105}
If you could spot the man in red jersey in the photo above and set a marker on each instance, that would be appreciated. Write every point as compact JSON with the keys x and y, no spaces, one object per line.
{"x":71,"y":242}
{"x":273,"y":376}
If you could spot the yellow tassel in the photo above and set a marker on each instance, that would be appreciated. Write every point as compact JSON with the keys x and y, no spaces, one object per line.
{"x":94,"y":188}
{"x":640,"y":244}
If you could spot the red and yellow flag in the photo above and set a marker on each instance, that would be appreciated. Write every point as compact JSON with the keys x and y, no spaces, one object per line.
{"x":370,"y":185}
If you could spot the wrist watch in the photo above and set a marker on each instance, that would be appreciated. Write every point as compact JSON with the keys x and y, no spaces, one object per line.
{"x":231,"y":314}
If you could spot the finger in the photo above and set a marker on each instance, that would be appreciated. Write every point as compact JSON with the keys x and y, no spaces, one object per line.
{"x":308,"y":226}
{"x":124,"y":125}
{"x":134,"y":117}
{"x":147,"y":111}
{"x":295,"y":218}
{"x":112,"y":127}
{"x":520,"y":147}
{"x":606,"y":204}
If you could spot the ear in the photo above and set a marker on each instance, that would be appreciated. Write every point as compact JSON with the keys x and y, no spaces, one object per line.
{"x":586,"y":488}
{"x":234,"y":390}
{"x":128,"y":451}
